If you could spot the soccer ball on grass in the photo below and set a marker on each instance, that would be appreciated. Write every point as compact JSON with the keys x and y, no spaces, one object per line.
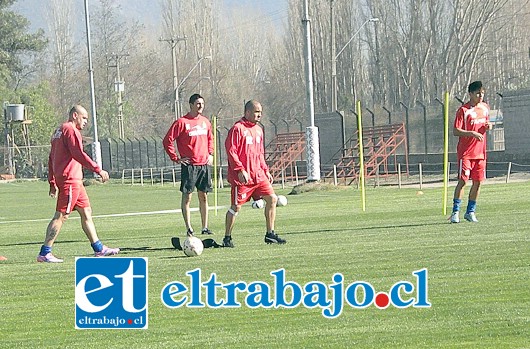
{"x":258,"y":204}
{"x":282,"y":201}
{"x":192,"y":246}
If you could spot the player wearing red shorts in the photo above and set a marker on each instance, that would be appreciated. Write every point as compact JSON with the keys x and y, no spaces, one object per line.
{"x":248,"y":173}
{"x":471,"y":124}
{"x":65,"y":175}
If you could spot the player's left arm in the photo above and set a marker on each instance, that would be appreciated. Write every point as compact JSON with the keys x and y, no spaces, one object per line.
{"x":210,"y":144}
{"x":489,"y":124}
{"x":51,"y":177}
{"x":263,"y":163}
{"x":75,"y":146}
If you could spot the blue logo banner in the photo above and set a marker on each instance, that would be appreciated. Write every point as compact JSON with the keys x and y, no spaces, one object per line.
{"x":111,"y":293}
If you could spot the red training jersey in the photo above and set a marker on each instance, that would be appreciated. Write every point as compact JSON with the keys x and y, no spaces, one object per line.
{"x":245,"y":151}
{"x":472,"y":118}
{"x":67,"y":157}
{"x":194,"y":139}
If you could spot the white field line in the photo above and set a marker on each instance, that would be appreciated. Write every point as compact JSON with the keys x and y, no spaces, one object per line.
{"x":114,"y":215}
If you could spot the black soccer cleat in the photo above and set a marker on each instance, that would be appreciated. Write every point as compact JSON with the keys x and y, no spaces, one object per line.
{"x":206,"y":231}
{"x":227,"y":242}
{"x":272,"y":238}
{"x":189,"y":232}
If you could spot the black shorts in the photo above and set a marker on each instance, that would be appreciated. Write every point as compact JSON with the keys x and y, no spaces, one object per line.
{"x":195,"y":176}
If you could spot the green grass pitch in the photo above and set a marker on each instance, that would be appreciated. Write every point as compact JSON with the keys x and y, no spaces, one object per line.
{"x":478,"y":273}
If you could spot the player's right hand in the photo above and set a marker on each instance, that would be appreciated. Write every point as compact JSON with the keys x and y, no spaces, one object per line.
{"x":477,"y":135}
{"x":104,"y":176}
{"x":53,"y":191}
{"x":243,"y":176}
{"x":184,"y":161}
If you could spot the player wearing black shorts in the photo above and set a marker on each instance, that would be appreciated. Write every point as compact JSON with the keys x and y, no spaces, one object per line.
{"x":192,"y":135}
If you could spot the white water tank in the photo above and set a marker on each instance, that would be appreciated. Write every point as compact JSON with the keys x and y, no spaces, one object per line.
{"x":15,"y":112}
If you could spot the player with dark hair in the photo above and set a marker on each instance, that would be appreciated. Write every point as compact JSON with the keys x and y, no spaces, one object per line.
{"x":471,"y":124}
{"x":248,"y":173}
{"x":193,"y":135}
{"x":65,"y":176}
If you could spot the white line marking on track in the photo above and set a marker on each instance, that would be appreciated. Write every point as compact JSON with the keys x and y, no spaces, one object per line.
{"x":114,"y":215}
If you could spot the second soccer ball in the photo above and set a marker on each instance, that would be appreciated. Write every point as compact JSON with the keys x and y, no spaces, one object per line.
{"x":282,"y":201}
{"x":258,"y":204}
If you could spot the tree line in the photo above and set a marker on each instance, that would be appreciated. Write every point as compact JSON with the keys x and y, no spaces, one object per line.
{"x":413,"y":53}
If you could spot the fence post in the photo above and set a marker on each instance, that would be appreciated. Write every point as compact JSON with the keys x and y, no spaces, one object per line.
{"x":421,"y":175}
{"x":399,"y":175}
{"x":142,"y":177}
{"x":509,"y":170}
{"x":151,"y":175}
{"x":124,"y":153}
{"x":162,"y":176}
{"x":173,"y":175}
{"x":147,"y":152}
{"x":133,"y":165}
{"x":406,"y":125}
{"x":140,"y":151}
{"x":389,"y":115}
{"x":424,"y":126}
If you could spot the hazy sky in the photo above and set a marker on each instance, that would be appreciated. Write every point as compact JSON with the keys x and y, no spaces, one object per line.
{"x":146,"y":11}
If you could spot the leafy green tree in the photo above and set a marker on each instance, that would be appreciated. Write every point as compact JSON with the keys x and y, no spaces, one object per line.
{"x":15,"y":41}
{"x":16,"y":47}
{"x":40,"y":112}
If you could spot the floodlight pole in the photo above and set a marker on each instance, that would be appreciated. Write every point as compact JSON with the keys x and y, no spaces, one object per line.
{"x":312,"y":142}
{"x":96,"y":147}
{"x":176,"y":102}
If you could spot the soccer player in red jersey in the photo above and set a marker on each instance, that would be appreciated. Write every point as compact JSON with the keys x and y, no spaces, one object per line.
{"x":193,"y":135}
{"x":65,"y":175}
{"x":248,"y":173}
{"x":471,"y":124}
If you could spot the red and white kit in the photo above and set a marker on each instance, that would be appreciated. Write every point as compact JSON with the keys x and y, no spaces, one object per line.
{"x":194,"y":139}
{"x":65,"y":167}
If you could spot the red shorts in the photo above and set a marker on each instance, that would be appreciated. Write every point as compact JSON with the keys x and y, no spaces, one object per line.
{"x":472,"y":168}
{"x":71,"y":196}
{"x":243,"y":193}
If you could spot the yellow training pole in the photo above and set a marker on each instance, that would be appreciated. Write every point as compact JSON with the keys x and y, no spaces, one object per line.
{"x":214,"y":135}
{"x":361,"y":155}
{"x":446,"y":151}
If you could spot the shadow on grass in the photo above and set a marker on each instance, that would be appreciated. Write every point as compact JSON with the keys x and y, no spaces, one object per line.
{"x":39,"y":243}
{"x":145,"y":249}
{"x":131,"y":250}
{"x":364,"y":228}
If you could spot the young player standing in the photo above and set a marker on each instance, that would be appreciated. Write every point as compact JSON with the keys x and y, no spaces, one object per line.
{"x":65,"y":176}
{"x":471,"y":124}
{"x":248,"y":173}
{"x":193,"y":136}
